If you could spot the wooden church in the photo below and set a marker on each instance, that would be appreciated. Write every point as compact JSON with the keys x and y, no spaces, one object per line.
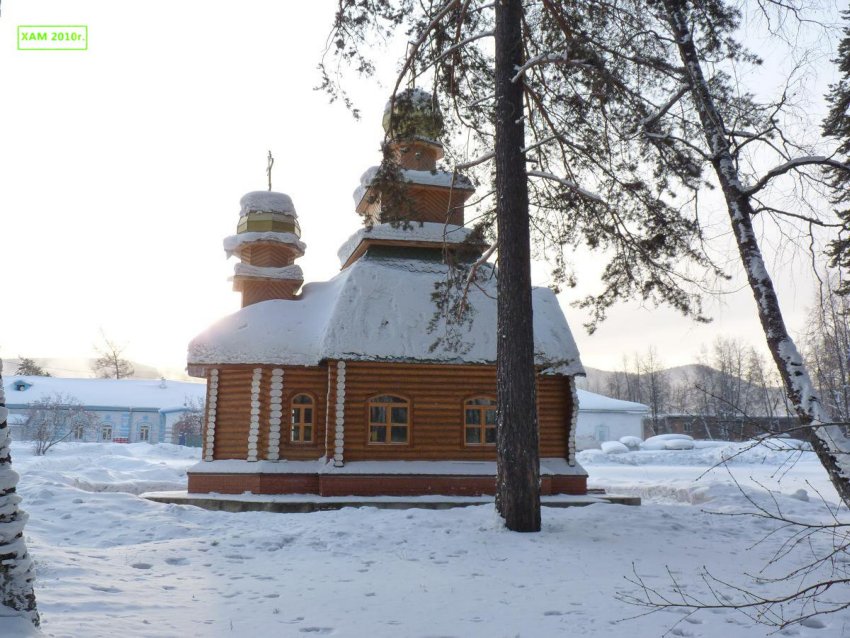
{"x":360,"y":385}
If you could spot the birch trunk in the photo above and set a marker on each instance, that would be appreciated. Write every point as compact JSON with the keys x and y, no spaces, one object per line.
{"x":16,"y":569}
{"x":829,"y":442}
{"x":517,"y":449}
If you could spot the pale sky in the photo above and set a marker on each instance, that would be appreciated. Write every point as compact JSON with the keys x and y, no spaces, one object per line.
{"x":121,"y":169}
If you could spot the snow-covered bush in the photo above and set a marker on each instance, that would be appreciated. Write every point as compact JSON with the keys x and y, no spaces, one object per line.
{"x":679,"y":444}
{"x":614,"y":447}
{"x":631,"y":442}
{"x":668,"y":442}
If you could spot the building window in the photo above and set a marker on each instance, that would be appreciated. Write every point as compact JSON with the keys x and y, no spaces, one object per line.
{"x":79,"y":431}
{"x":106,"y":433}
{"x":303,"y":411}
{"x":145,"y":433}
{"x":389,"y":420}
{"x":479,"y":421}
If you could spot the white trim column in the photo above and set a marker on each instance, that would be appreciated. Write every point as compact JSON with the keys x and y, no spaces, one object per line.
{"x":571,"y":441}
{"x":275,"y":413}
{"x":254,"y":428}
{"x":212,"y":403}
{"x":339,"y":438}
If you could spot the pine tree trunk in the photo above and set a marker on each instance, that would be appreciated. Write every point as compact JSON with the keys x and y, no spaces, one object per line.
{"x":517,"y":450}
{"x":16,"y":571}
{"x":828,"y":441}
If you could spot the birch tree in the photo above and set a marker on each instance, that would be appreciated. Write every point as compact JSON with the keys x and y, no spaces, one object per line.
{"x":16,"y":568}
{"x":702,"y":29}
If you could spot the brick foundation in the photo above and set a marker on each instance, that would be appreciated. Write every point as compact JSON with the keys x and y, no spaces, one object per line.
{"x":369,"y":484}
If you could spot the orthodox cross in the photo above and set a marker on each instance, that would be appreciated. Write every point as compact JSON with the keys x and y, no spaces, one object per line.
{"x":269,"y":169}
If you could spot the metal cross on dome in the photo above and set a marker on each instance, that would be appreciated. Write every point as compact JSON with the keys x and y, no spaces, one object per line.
{"x":268,"y":167}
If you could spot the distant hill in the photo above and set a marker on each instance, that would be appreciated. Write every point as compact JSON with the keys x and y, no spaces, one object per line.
{"x":690,"y":389}
{"x":82,"y":369}
{"x":598,"y":380}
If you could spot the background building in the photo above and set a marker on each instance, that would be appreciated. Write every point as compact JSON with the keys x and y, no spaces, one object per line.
{"x":125,"y":410}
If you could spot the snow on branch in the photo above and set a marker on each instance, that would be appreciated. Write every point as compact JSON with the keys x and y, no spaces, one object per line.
{"x":475,"y":162}
{"x":569,"y":184}
{"x":548,"y":58}
{"x":456,"y":46}
{"x":818,"y":160}
{"x":491,"y":155}
{"x":649,"y":120}
{"x":473,"y":273}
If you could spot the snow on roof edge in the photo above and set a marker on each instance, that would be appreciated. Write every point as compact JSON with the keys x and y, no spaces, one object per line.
{"x":418,"y":231}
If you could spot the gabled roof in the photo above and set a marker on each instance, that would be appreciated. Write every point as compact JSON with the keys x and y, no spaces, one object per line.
{"x":380,"y":308}
{"x":104,"y":393}
{"x":592,"y":402}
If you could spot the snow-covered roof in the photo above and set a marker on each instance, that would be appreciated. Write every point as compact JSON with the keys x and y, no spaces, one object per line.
{"x":266,"y":202}
{"x":411,"y":176}
{"x":417,"y":231}
{"x":233,"y":244}
{"x":379,"y":308}
{"x":269,"y":272}
{"x":123,"y":393}
{"x":592,"y":402}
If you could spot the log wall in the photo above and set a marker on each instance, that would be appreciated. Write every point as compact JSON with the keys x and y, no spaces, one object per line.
{"x":436,"y":393}
{"x":312,"y":381}
{"x":233,"y":414}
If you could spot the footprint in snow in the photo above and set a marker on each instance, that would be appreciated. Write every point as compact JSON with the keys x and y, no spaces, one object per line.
{"x":316,"y":630}
{"x":176,"y":561}
{"x":108,"y":590}
{"x":141,"y":565}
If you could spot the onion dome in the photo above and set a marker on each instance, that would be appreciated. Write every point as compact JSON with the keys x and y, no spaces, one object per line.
{"x":267,"y":241}
{"x":261,"y":211}
{"x":413,"y":113}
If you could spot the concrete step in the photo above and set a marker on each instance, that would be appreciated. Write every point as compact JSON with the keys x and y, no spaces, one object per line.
{"x":305,"y":503}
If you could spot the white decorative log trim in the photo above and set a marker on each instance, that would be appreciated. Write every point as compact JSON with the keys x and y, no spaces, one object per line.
{"x":571,"y":440}
{"x":254,"y":427}
{"x":275,"y":406}
{"x":339,"y":438}
{"x":212,"y":404}
{"x":328,"y":415}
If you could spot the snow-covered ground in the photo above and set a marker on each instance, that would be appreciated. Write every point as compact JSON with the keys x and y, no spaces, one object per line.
{"x":112,"y":564}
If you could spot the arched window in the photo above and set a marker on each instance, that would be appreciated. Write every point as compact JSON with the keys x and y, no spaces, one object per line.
{"x":303,"y":410}
{"x":479,"y":421}
{"x":389,"y":420}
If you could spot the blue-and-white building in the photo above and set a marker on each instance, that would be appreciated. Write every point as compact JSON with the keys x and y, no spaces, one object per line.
{"x":125,"y":410}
